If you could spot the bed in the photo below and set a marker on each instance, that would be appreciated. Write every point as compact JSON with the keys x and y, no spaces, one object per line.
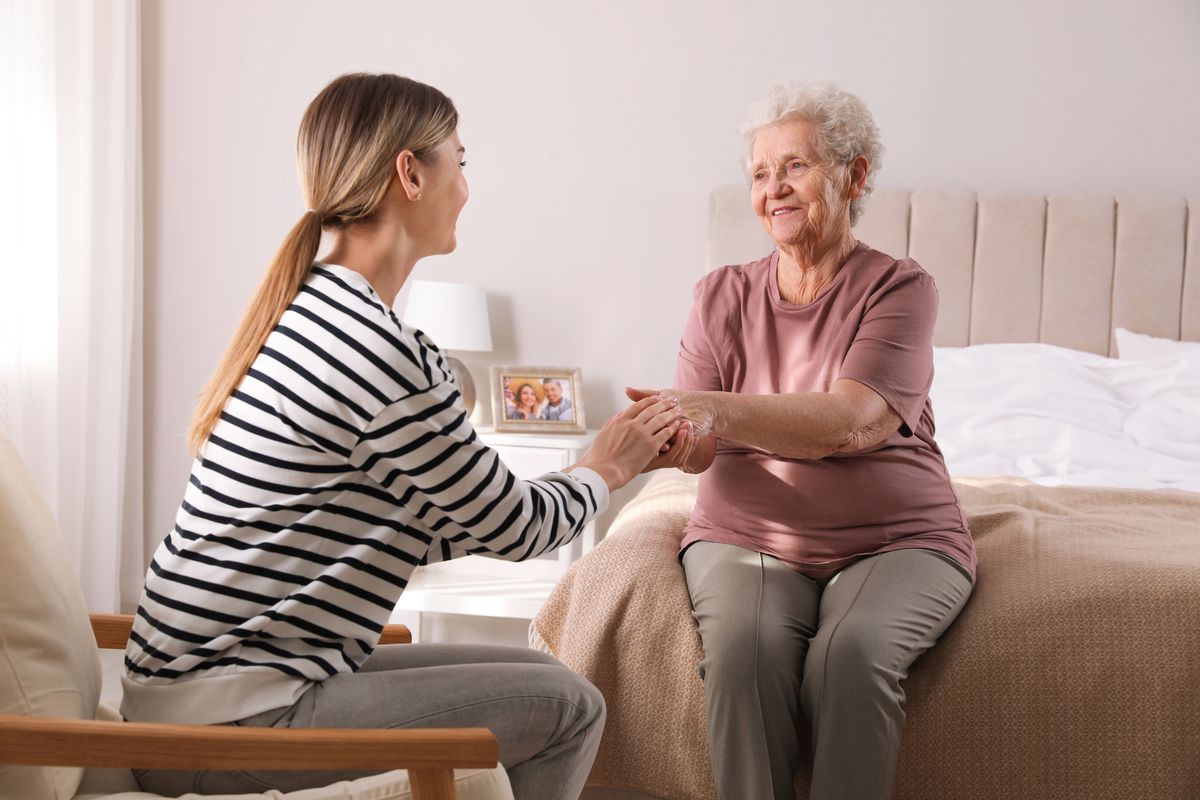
{"x":1072,"y":672}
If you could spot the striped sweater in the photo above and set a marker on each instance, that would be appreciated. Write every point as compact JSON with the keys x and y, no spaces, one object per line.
{"x":342,"y":462}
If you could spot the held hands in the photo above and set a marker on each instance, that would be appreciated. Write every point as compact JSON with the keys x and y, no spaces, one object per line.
{"x":694,"y":406}
{"x":631,"y":438}
{"x":679,"y":452}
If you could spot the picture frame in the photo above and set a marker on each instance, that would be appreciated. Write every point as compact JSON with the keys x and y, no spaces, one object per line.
{"x":523,"y":399}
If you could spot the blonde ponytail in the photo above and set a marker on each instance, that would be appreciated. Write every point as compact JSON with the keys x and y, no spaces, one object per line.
{"x":346,"y":150}
{"x":276,"y":292}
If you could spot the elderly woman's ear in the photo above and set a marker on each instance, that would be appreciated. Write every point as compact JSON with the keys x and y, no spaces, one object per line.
{"x":858,"y":176}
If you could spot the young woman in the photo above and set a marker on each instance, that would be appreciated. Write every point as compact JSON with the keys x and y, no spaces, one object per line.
{"x":527,"y":404}
{"x":333,"y":457}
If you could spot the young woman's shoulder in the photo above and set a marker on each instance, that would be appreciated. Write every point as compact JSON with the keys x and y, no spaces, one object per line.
{"x":341,"y":317}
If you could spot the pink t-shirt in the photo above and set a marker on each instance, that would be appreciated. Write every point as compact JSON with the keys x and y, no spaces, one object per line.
{"x":873,"y":323}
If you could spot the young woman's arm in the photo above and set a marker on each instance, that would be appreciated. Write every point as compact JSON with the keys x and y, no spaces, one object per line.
{"x":423,"y":452}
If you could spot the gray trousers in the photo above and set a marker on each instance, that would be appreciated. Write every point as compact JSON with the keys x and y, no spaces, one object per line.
{"x":547,"y":719}
{"x":783,"y":651}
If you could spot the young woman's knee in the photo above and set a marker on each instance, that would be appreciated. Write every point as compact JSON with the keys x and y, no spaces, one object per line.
{"x":584,"y":701}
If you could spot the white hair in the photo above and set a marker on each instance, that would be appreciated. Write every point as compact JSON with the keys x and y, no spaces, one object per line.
{"x":844,"y":128}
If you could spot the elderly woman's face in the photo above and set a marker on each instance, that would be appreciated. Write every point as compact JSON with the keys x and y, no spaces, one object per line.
{"x":788,"y":184}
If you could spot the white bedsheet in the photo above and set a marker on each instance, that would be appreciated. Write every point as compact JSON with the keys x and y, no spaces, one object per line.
{"x":1062,"y":417}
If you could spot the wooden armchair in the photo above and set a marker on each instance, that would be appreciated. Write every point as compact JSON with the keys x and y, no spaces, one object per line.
{"x":50,"y":686}
{"x":429,"y":755}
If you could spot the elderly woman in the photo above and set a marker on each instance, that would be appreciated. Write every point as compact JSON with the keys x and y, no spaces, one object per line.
{"x":827,"y":549}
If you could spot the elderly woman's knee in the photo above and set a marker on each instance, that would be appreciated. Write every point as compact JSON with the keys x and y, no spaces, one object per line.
{"x":748,"y":654}
{"x":857,"y":655}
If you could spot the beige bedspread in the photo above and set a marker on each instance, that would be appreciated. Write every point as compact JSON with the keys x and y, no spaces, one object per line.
{"x":1073,"y":672}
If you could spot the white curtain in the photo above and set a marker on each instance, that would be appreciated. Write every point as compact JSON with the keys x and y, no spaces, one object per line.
{"x":71,"y":274}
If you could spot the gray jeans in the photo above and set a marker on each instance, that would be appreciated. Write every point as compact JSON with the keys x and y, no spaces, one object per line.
{"x":782,"y":651}
{"x":547,"y":719}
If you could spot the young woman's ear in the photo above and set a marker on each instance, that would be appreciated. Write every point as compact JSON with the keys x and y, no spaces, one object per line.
{"x":409,"y":173}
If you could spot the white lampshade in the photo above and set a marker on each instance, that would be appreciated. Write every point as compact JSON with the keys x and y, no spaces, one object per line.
{"x":454,"y":315}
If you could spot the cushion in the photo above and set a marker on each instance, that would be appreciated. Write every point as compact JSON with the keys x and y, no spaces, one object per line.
{"x":469,"y":784}
{"x":48,"y":661}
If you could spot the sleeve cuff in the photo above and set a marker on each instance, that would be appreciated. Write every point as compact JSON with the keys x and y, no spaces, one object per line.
{"x":908,"y":422}
{"x":595,"y":485}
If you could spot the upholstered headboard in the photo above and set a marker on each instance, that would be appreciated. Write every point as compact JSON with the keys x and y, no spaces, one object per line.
{"x":1064,"y":269}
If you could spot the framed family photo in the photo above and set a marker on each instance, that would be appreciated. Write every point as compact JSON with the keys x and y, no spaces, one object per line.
{"x":538,"y":400}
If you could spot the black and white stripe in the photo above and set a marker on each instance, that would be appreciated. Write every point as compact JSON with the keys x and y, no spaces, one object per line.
{"x":343,"y":461}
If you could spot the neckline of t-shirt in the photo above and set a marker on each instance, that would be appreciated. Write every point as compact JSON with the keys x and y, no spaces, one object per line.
{"x":773,"y":282}
{"x":358,"y":281}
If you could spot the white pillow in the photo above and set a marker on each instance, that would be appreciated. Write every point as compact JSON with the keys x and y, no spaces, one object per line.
{"x":1063,"y":417}
{"x":1140,"y":346}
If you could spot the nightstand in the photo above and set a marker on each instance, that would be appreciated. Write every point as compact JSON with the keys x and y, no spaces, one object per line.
{"x":489,"y":587}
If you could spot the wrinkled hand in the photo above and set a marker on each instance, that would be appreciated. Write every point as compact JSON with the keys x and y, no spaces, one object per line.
{"x":676,"y":453}
{"x":694,"y":406}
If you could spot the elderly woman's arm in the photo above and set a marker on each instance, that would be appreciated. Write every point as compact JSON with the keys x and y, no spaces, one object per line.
{"x":848,"y":418}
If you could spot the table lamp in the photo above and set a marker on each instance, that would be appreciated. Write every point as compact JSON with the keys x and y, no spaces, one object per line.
{"x":455,"y":317}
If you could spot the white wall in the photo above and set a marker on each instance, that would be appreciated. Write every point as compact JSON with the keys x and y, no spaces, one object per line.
{"x":595,"y":132}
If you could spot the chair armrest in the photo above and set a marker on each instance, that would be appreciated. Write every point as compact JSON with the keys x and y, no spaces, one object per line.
{"x":94,"y":743}
{"x":395,"y":634}
{"x":430,"y":755}
{"x":112,"y":631}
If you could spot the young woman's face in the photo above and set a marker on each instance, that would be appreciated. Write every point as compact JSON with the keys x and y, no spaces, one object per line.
{"x":443,"y":194}
{"x":528,"y":398}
